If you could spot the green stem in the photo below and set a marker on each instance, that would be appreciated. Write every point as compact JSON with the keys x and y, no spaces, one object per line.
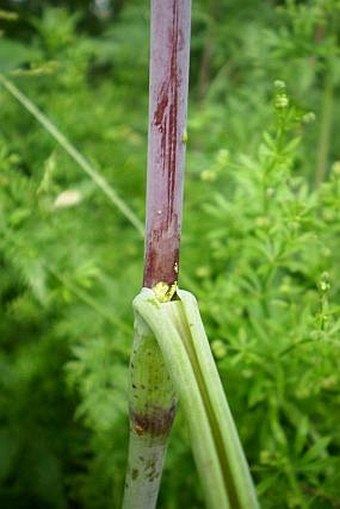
{"x":145,"y":465}
{"x":325,"y":132}
{"x":152,"y":406}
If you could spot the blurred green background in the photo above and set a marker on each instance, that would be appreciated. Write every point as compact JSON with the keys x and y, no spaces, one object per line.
{"x":260,"y":248}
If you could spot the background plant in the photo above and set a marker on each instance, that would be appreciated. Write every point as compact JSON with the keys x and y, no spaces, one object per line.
{"x":257,"y":237}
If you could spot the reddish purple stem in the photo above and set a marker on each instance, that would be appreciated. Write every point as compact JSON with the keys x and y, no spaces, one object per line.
{"x":169,"y":69}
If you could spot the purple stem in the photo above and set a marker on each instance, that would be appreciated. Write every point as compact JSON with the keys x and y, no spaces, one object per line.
{"x":169,"y":70}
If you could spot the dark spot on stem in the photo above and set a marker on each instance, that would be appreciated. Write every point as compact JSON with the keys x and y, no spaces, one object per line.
{"x":151,"y":470}
{"x":134,"y":474}
{"x":156,"y":421}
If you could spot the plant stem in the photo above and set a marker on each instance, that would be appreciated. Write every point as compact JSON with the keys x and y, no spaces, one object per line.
{"x":326,"y":129}
{"x":152,"y":401}
{"x":152,"y":407}
{"x":218,"y":453}
{"x":169,"y":69}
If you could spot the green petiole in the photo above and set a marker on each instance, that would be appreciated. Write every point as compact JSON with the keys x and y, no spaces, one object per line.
{"x":172,"y":334}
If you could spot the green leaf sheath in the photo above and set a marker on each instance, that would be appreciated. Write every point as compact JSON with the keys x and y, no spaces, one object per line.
{"x":219,"y":457}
